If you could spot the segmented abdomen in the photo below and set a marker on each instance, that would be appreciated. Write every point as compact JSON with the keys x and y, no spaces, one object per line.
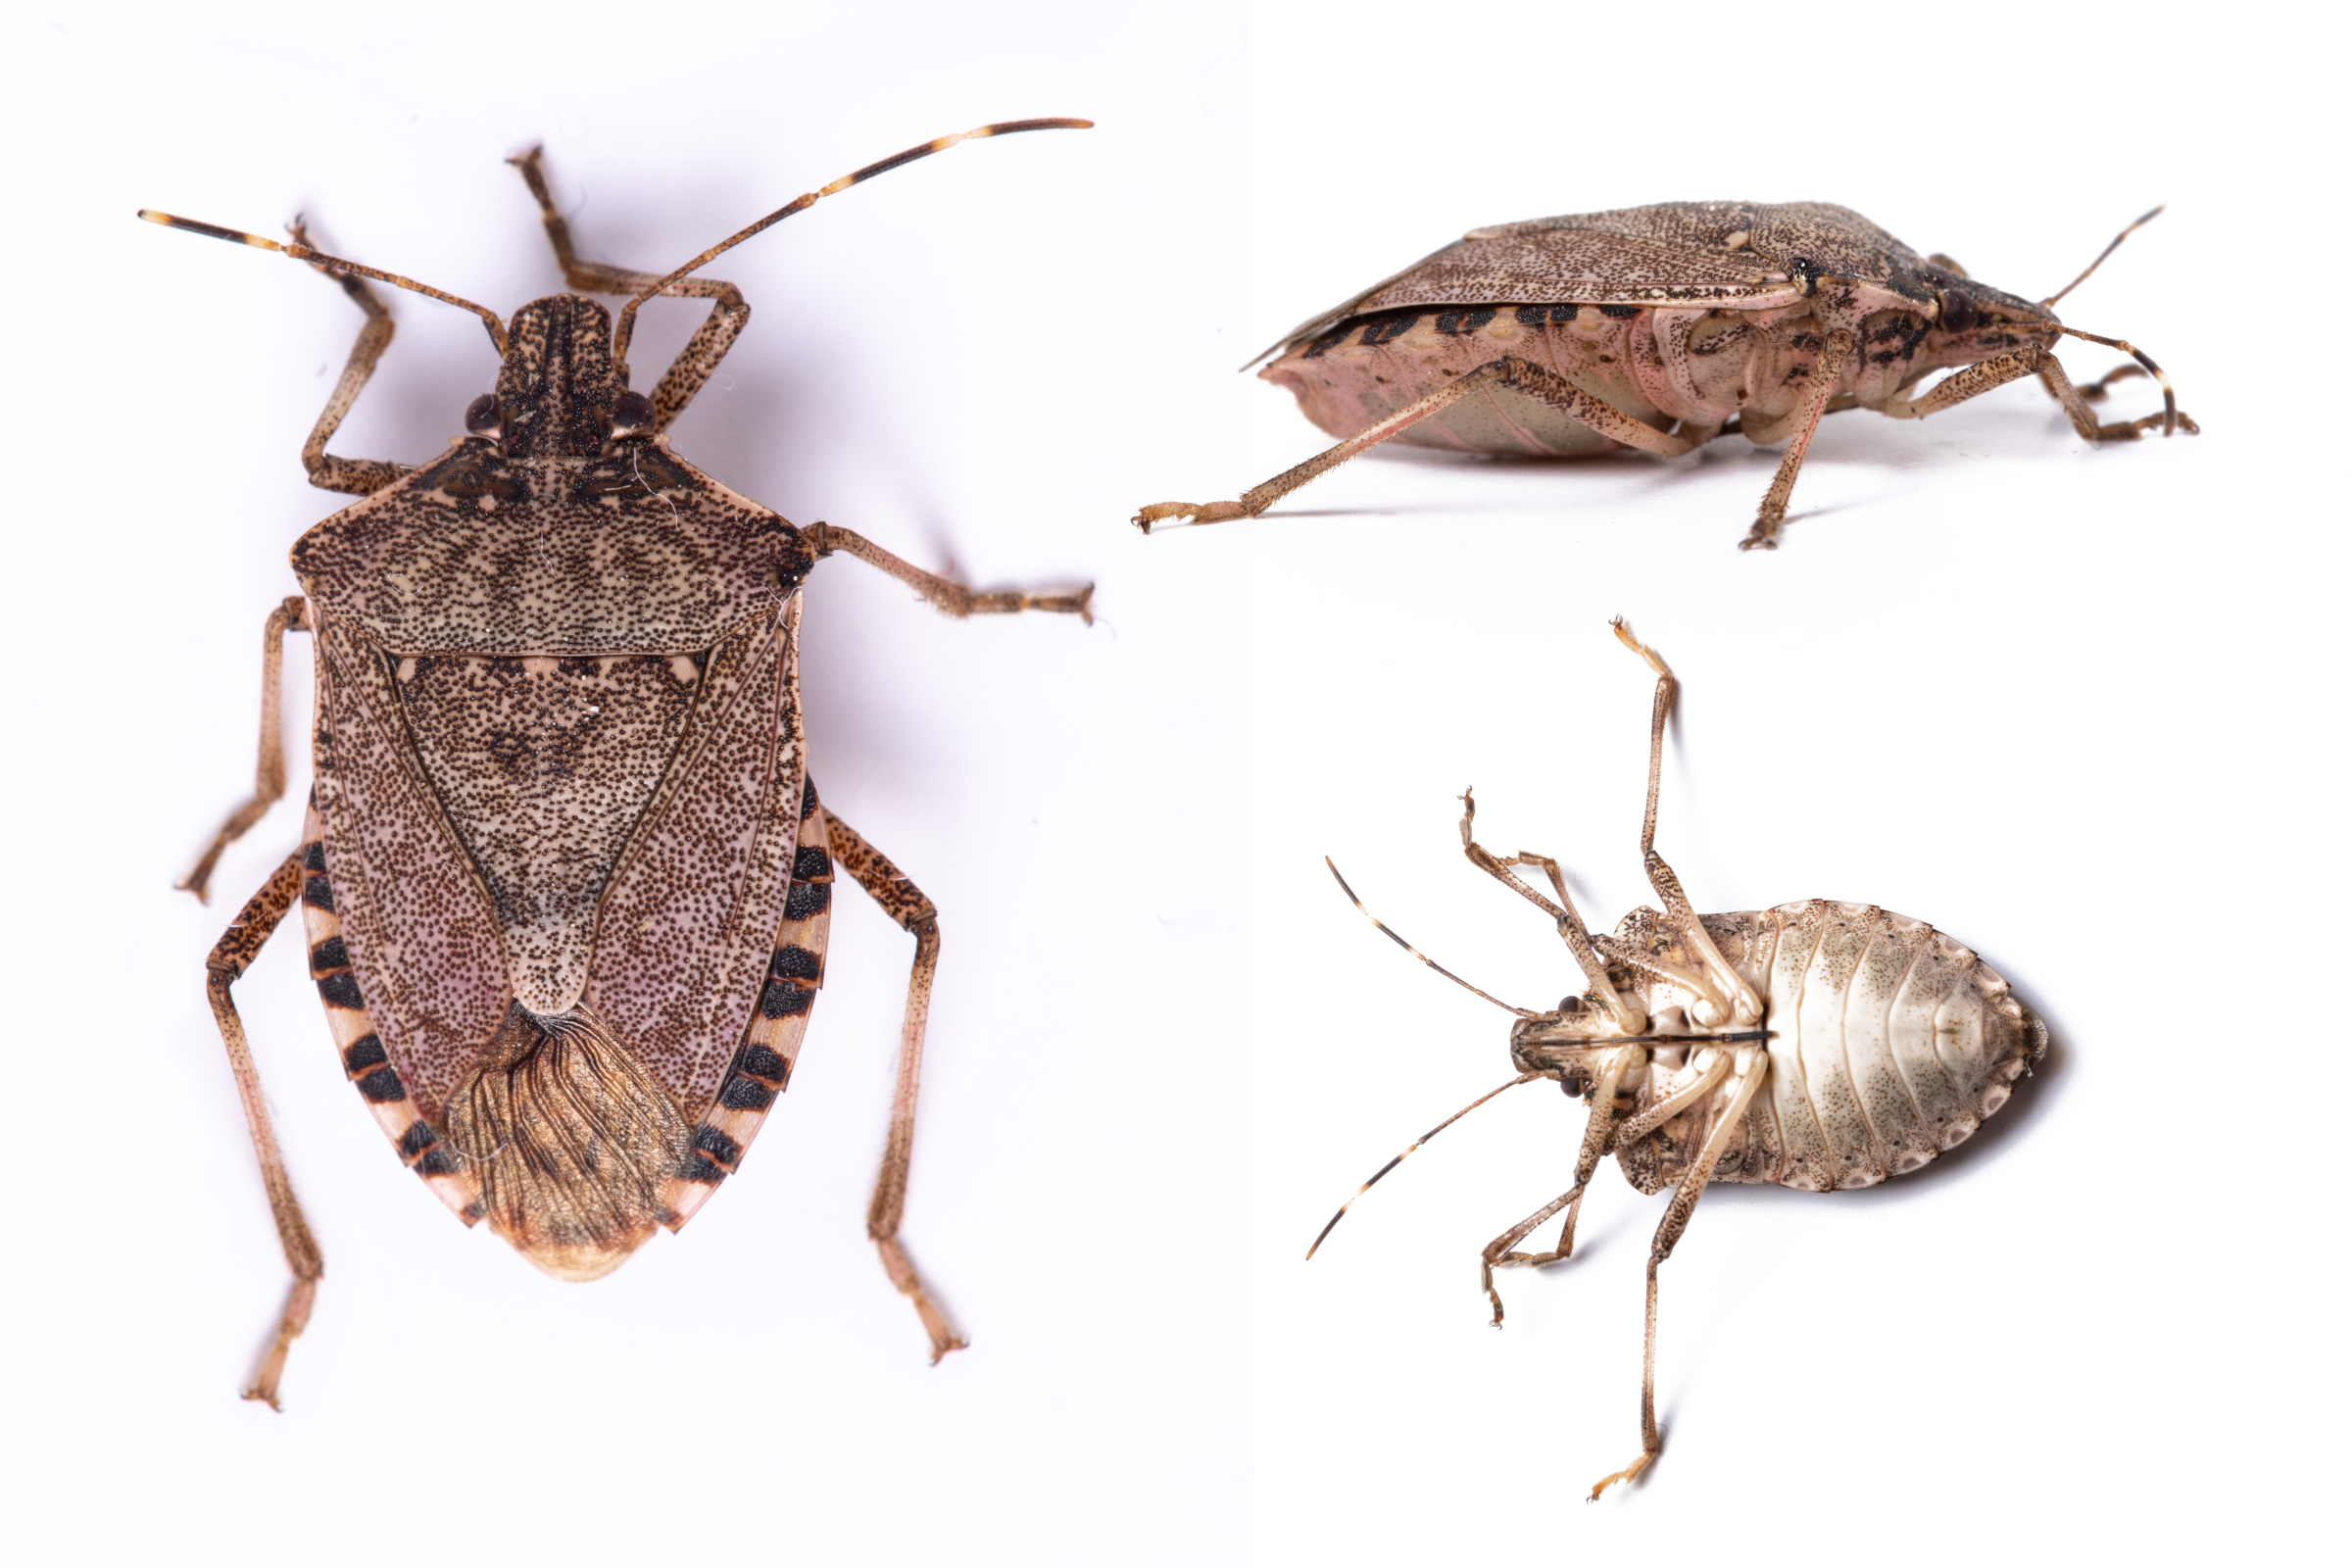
{"x":1892,"y":1044}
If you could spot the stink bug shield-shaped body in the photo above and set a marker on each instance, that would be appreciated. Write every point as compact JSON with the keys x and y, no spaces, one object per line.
{"x":1660,"y":328}
{"x":1818,"y":1045}
{"x":565,"y":877}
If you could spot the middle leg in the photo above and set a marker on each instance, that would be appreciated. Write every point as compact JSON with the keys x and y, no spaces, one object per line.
{"x":949,"y":597}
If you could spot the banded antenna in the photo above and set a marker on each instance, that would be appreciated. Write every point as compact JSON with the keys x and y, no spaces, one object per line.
{"x":333,"y":264}
{"x":1003,"y":127}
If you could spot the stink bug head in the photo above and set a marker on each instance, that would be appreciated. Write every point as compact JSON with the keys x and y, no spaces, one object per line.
{"x":558,"y":393}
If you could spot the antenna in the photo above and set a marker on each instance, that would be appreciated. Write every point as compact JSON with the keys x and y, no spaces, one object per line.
{"x":2103,"y":255}
{"x":1524,"y":1077}
{"x":334,"y":263}
{"x":1003,"y":127}
{"x":1417,"y":951}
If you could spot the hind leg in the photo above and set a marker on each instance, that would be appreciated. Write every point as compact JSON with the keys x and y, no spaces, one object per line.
{"x":908,"y":905}
{"x":230,"y":957}
{"x":1508,"y":371}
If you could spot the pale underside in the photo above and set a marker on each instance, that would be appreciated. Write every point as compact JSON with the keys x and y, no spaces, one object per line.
{"x":1893,"y":1044}
{"x":1701,"y":367}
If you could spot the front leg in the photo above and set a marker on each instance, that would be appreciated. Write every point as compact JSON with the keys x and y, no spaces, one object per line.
{"x":951,"y":598}
{"x":1976,"y":379}
{"x":355,"y":476}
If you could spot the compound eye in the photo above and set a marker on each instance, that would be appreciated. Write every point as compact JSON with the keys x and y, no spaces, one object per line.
{"x":483,"y":415}
{"x":1958,"y":311}
{"x":632,"y":411}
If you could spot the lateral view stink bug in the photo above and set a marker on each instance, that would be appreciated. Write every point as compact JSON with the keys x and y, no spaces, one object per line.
{"x":1819,"y":1045}
{"x":1661,"y":329}
{"x":565,"y":878}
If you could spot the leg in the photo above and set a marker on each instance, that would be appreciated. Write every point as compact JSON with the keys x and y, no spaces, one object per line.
{"x":1753,"y":1066}
{"x":1509,"y":371}
{"x":1983,"y":377}
{"x":906,"y":903}
{"x":1564,"y":919}
{"x":1729,"y":996}
{"x":2086,"y":423}
{"x":230,"y":957}
{"x":694,"y":363}
{"x":951,"y":598}
{"x":1601,"y":1135}
{"x":1836,"y":350}
{"x":352,"y":475}
{"x":269,"y":767}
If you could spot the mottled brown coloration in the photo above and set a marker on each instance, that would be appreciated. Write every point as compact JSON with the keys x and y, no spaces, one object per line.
{"x":1660,"y":328}
{"x":1817,"y":1044}
{"x":564,"y":881}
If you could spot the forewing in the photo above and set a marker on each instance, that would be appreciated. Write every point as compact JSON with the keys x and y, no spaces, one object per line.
{"x":421,"y":931}
{"x":1676,"y":252}
{"x":360,"y":1040}
{"x":683,"y":934}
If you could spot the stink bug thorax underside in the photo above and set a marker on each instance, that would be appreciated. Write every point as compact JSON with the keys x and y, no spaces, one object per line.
{"x":556,"y":389}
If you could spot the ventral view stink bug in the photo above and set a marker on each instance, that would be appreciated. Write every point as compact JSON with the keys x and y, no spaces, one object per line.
{"x":1660,"y":328}
{"x":1820,"y":1046}
{"x":564,"y":876}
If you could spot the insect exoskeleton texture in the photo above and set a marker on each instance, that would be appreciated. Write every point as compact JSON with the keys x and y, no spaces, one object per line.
{"x":1660,"y":328}
{"x":565,"y":877}
{"x":1817,"y":1044}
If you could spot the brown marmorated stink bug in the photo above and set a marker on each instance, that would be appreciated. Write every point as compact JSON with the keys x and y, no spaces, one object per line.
{"x":1661,"y":329}
{"x":565,"y":878}
{"x":1819,"y":1045}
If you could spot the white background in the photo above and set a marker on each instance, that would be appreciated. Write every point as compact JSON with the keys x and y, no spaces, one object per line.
{"x":2077,"y":707}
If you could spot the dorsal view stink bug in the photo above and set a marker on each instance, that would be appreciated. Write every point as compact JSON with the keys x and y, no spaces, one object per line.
{"x":565,"y":878}
{"x":1660,"y":328}
{"x":1818,"y":1045}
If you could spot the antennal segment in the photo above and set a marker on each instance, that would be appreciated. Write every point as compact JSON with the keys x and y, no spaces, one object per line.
{"x":2172,"y":411}
{"x":1416,"y":953}
{"x":2103,"y":255}
{"x":1003,"y":127}
{"x":336,"y":263}
{"x":1524,"y":1077}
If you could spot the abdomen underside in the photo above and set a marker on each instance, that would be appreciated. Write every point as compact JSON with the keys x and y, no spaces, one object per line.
{"x":1892,"y":1043}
